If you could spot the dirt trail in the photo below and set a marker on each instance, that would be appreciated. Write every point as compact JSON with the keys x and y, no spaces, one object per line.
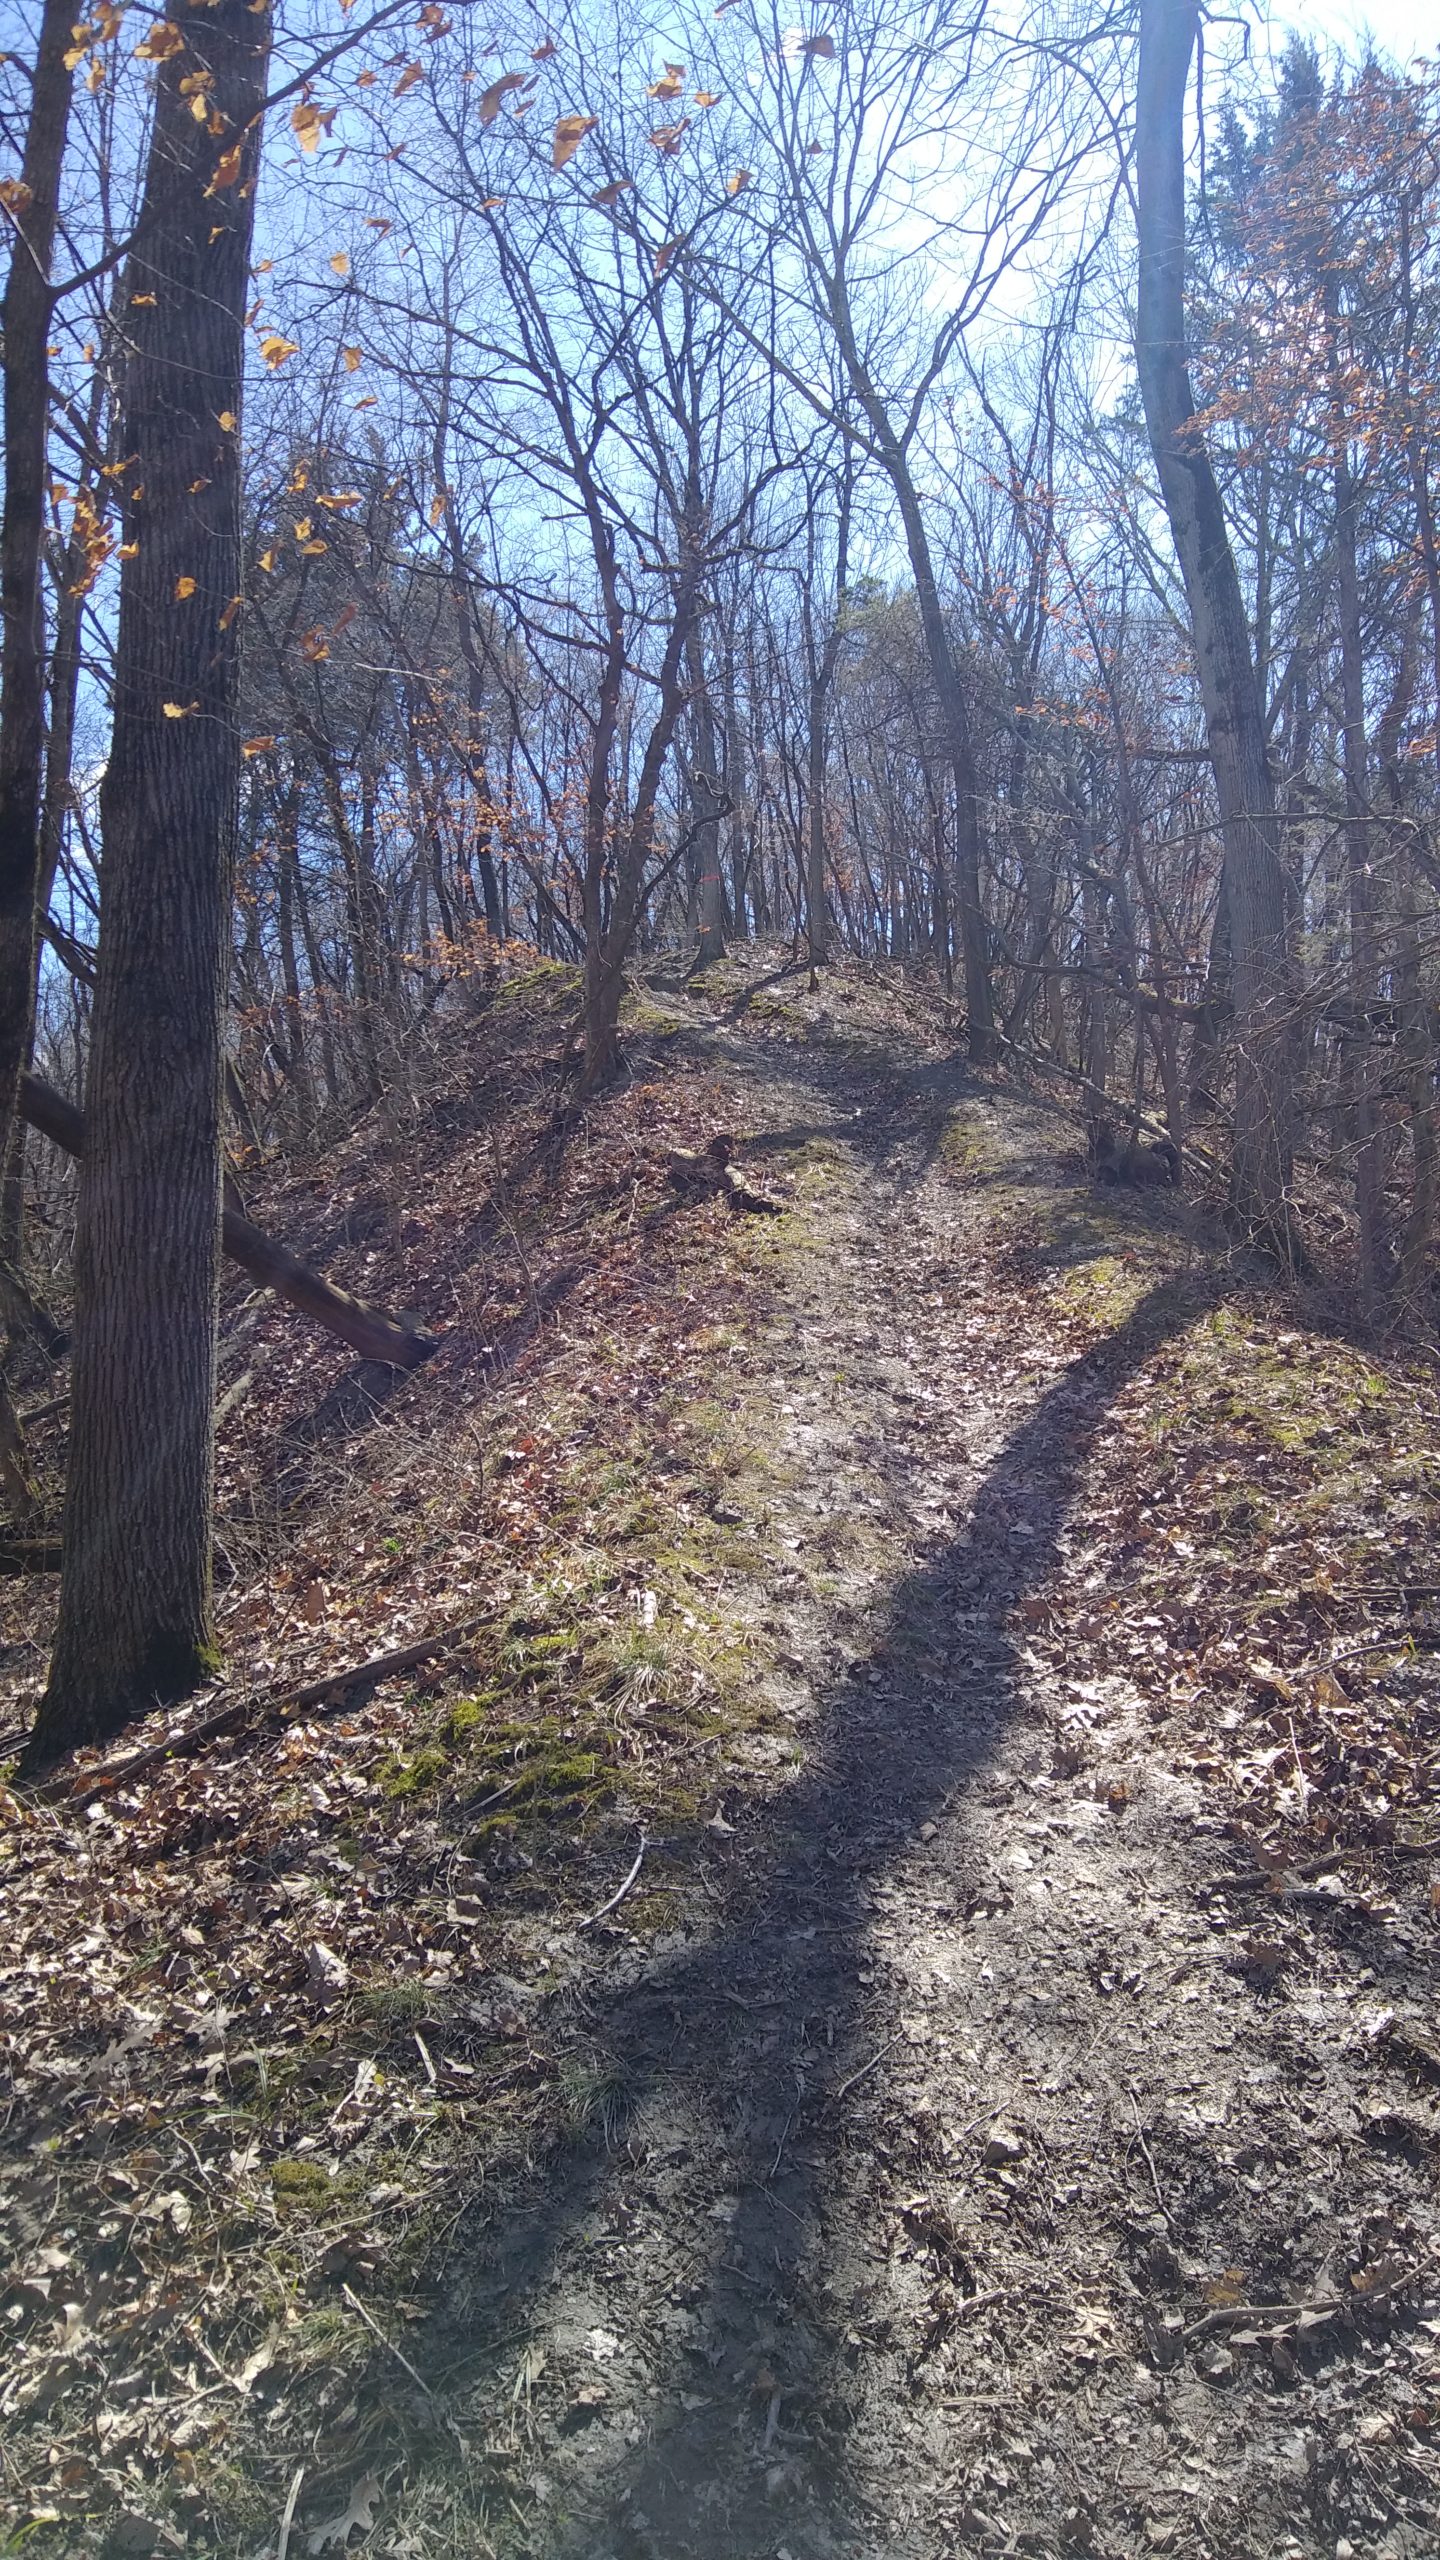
{"x":919,"y":2137}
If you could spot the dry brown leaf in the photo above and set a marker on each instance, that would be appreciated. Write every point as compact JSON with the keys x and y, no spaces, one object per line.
{"x":499,"y":89}
{"x":570,"y":132}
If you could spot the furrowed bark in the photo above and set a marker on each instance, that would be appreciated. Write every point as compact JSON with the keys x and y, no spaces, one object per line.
{"x":136,"y":1620}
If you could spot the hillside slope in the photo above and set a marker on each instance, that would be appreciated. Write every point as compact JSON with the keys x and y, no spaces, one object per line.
{"x":878,"y":1991}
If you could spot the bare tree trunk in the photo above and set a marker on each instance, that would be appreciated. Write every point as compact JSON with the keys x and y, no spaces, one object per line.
{"x":606,"y":954}
{"x":25,"y":322}
{"x":1255,"y":883}
{"x":706,"y":799}
{"x":136,"y":1623}
{"x":287,"y":866}
{"x":1359,"y":1050}
{"x":736,"y":791}
{"x":25,"y":325}
{"x":954,"y":712}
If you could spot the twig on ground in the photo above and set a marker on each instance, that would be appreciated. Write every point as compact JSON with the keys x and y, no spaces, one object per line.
{"x":620,"y":1892}
{"x":864,"y":2071}
{"x":1272,"y":1879}
{"x":1402,"y":1643}
{"x":1324,"y":2306}
{"x":287,"y":2520}
{"x":492,"y":1795}
{"x":279,"y":1709}
{"x":1149,"y":2162}
{"x":780,"y":2145}
{"x":1302,"y":1783}
{"x":388,"y":2344}
{"x":977,"y":2301}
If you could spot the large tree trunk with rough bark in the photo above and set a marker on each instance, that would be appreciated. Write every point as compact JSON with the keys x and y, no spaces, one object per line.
{"x":136,"y":1622}
{"x":1255,"y":885}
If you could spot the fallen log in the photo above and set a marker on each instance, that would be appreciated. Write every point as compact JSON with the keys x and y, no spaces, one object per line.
{"x":266,"y":1715}
{"x":365,"y":1329}
{"x":29,"y":1555}
{"x":713,"y":1172}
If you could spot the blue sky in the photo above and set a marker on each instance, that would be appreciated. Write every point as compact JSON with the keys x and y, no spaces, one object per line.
{"x":1402,"y":28}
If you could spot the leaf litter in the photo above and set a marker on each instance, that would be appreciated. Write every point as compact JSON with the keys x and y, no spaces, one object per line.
{"x":1006,"y":1622}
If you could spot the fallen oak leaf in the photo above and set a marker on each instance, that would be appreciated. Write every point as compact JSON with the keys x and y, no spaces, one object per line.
{"x":357,"y":2516}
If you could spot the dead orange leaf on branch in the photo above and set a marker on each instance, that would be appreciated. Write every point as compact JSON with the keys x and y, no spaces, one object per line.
{"x":498,"y":90}
{"x":162,"y":43}
{"x":276,"y":349}
{"x":310,"y":123}
{"x":570,"y":132}
{"x":672,"y":84}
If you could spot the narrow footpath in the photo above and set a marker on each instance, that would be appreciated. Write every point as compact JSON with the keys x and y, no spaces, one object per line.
{"x":958,"y":2187}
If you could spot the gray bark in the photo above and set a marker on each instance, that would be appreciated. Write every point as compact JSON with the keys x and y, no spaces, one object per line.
{"x":1255,"y":885}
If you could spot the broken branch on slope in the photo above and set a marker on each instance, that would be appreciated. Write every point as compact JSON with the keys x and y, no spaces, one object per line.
{"x":374,"y":1335}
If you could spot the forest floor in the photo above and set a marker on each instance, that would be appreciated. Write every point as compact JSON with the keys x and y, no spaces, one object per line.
{"x":1000,"y":2112}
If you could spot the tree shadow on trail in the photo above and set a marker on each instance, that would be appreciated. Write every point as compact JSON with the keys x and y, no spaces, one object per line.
{"x":722,"y":2318}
